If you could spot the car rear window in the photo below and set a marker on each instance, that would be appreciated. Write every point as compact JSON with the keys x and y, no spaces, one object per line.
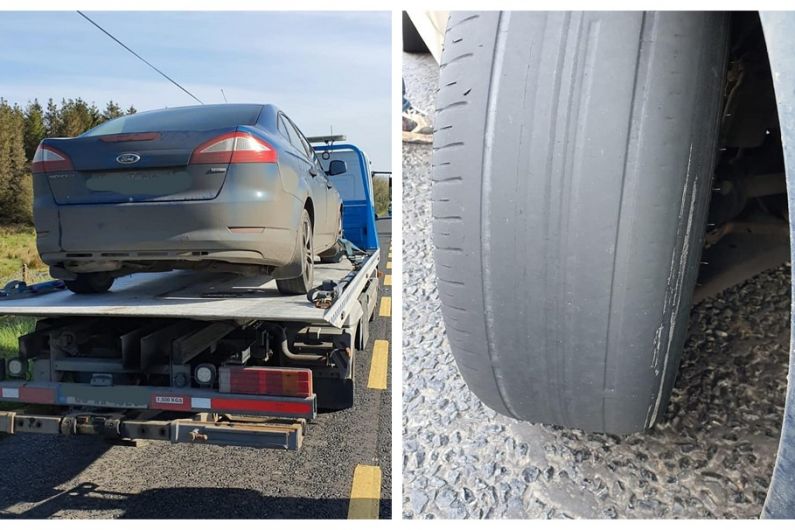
{"x":199,"y":118}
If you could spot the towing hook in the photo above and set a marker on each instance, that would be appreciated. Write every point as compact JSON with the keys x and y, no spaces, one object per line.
{"x":196,"y":436}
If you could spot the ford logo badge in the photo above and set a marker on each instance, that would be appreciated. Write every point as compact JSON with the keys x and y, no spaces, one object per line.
{"x":128,"y":158}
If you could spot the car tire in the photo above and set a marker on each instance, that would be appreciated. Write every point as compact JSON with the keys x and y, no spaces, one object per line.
{"x":305,"y":255}
{"x":573,"y":158}
{"x":90,"y":283}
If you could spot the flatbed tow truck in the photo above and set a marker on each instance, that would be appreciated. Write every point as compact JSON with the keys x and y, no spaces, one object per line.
{"x":209,"y":358}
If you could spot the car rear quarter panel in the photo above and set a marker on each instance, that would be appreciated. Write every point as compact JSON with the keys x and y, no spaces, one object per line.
{"x":45,"y":216}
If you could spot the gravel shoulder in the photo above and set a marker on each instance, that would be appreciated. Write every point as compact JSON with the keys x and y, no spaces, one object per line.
{"x":711,"y":457}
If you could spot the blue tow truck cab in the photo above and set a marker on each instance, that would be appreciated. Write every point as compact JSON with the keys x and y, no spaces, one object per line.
{"x":355,"y":187}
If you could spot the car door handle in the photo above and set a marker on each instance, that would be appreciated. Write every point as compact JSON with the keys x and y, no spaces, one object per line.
{"x":313,"y":171}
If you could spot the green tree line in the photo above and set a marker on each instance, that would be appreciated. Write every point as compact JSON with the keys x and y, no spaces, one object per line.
{"x":382,"y":197}
{"x":21,"y":130}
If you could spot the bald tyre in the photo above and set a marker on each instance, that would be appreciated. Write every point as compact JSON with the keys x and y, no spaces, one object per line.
{"x":573,"y":156}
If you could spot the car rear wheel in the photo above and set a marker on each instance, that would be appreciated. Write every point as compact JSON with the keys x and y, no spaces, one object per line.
{"x":305,"y":255}
{"x":90,"y":283}
{"x":573,"y":158}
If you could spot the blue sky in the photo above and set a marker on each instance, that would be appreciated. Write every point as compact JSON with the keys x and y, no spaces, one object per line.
{"x":329,"y":68}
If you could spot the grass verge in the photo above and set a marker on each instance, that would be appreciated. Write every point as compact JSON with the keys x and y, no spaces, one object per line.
{"x":18,"y":247}
{"x":11,"y":328}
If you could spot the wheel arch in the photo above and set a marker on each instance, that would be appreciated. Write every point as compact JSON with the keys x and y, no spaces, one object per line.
{"x":309,"y":206}
{"x":780,"y":40}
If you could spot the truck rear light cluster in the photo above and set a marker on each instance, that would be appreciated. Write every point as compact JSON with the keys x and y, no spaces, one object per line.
{"x":48,"y":159}
{"x":234,"y":148}
{"x":292,"y":382}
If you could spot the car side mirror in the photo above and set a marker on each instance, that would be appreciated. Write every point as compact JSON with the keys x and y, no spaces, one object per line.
{"x":337,"y":167}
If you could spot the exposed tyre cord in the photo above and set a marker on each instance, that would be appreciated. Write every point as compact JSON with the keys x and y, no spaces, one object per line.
{"x":573,"y":155}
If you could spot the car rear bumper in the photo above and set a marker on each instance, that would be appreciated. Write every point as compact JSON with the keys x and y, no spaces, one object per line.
{"x":253,"y":220}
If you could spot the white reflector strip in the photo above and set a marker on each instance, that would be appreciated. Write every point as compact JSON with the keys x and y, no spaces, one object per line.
{"x":43,"y":154}
{"x":223,"y":146}
{"x":50,"y":156}
{"x":11,"y":393}
{"x":200,"y":403}
{"x":247,"y":143}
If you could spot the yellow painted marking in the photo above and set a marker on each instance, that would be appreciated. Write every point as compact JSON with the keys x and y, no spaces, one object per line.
{"x":388,"y":264}
{"x":388,"y":279}
{"x":365,"y":493}
{"x":386,"y":306}
{"x":378,"y":365}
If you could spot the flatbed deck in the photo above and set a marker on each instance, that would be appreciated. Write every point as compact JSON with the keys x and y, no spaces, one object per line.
{"x":201,"y":296}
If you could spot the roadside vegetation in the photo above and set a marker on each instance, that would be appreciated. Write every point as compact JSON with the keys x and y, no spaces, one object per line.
{"x":11,"y":328}
{"x":18,"y":251}
{"x":381,"y":193}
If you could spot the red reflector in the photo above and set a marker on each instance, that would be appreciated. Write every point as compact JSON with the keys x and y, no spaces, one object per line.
{"x":234,"y":148}
{"x":294,"y":382}
{"x":267,"y":407}
{"x":37,"y":395}
{"x":130,"y":137}
{"x":48,"y":158}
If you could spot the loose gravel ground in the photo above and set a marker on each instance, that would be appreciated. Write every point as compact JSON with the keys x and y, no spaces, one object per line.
{"x":712,"y":456}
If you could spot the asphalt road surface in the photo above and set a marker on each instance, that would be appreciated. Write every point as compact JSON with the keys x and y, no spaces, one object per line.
{"x":84,"y":477}
{"x":712,"y":456}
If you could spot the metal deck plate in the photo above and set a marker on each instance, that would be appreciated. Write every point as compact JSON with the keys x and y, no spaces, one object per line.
{"x":183,"y":294}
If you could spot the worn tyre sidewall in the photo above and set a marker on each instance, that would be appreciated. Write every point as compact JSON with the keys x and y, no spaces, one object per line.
{"x":573,"y":156}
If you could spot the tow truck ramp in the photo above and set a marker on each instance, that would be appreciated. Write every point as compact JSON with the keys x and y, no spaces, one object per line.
{"x":204,"y":296}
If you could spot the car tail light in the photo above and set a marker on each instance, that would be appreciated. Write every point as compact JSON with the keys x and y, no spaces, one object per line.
{"x":47,"y":159}
{"x":234,"y":148}
{"x":294,"y":382}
